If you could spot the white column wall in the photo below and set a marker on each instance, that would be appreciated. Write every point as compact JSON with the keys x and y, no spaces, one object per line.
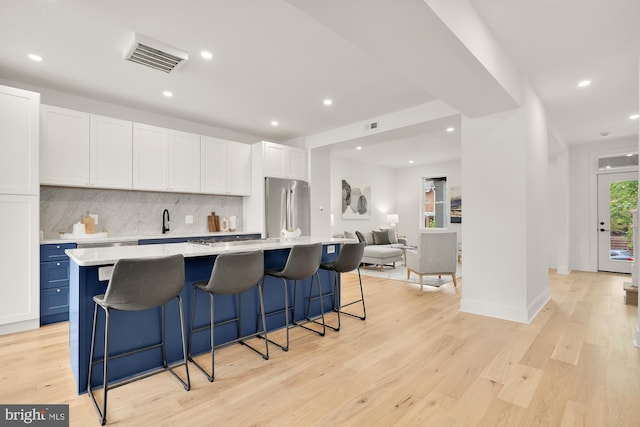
{"x":319,"y":162}
{"x":504,"y":174}
{"x":558,"y":213}
{"x":536,"y":178}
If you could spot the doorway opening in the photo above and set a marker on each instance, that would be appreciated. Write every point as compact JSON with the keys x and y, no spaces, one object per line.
{"x":617,"y":198}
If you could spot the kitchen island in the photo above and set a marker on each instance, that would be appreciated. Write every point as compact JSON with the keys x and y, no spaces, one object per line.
{"x":89,"y":273}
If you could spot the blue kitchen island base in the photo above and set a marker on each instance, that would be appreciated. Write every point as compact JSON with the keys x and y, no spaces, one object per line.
{"x":140,"y":329}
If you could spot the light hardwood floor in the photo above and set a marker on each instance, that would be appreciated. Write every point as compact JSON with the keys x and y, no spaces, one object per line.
{"x":415,"y":361}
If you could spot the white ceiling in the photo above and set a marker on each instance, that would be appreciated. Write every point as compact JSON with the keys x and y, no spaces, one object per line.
{"x":273,"y":61}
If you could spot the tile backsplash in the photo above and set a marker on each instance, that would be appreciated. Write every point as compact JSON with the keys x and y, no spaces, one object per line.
{"x":131,"y":212}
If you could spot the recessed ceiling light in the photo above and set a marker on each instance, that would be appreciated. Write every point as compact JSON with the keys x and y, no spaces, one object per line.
{"x":274,"y":123}
{"x":451,"y":129}
{"x":206,"y":55}
{"x":327,"y":102}
{"x":634,"y":116}
{"x":358,"y":148}
{"x":167,"y":93}
{"x":411,"y":161}
{"x":34,"y":57}
{"x":584,"y":83}
{"x":605,"y":133}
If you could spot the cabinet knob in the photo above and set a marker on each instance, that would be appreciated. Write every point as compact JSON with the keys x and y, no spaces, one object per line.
{"x":58,"y":247}
{"x":58,"y":290}
{"x":58,"y":264}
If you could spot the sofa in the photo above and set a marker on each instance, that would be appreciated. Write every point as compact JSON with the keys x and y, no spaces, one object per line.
{"x":383,"y":247}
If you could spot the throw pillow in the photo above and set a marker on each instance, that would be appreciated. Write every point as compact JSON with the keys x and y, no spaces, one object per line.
{"x":381,"y":237}
{"x":349,"y":235}
{"x":368,"y":237}
{"x":393,"y":234}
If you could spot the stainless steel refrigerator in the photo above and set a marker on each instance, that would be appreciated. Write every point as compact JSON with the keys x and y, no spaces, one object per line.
{"x":287,"y":206}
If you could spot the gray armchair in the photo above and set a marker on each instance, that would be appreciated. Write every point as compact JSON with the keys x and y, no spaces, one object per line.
{"x":436,"y":254}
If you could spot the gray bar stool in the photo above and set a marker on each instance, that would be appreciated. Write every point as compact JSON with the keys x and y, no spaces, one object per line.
{"x":135,"y":285}
{"x":232,"y":274}
{"x":303,"y":262}
{"x":349,"y":259}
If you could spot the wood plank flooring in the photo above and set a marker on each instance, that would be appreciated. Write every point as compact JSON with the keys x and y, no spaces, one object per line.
{"x":415,"y":361}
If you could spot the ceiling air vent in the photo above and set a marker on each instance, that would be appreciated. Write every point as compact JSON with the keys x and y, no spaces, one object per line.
{"x":154,"y":54}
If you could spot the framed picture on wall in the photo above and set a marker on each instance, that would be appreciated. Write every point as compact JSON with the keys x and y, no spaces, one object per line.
{"x":356,"y":201}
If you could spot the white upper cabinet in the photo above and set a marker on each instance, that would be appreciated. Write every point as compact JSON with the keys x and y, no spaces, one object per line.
{"x":281,"y":161}
{"x":150,"y":157}
{"x":297,"y":162}
{"x":111,"y":153}
{"x":86,"y":150}
{"x":225,"y":167}
{"x":64,"y":146}
{"x":184,"y":162}
{"x":19,"y":136}
{"x":274,"y":163}
{"x":213,"y":165}
{"x":165,"y":160}
{"x":240,"y":171}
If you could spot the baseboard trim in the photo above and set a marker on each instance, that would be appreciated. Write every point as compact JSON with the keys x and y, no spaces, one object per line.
{"x":506,"y":312}
{"x":25,"y":325}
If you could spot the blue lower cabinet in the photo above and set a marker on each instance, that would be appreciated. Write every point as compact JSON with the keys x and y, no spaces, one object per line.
{"x":54,"y":305}
{"x":54,"y":283}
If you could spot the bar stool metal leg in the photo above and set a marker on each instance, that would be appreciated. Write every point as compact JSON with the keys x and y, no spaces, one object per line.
{"x":231,"y":276}
{"x":364,"y":308}
{"x":320,"y":297}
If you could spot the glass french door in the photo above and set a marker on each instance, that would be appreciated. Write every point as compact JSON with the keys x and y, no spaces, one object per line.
{"x":617,"y":197}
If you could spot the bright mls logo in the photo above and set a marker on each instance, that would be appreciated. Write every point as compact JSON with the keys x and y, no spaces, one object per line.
{"x":36,"y":415}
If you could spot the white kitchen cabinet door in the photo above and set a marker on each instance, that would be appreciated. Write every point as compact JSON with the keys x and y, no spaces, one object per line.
{"x":226,"y":167}
{"x":150,"y":158}
{"x":19,"y":139}
{"x":184,"y":162}
{"x":64,"y":147}
{"x":239,"y":174}
{"x":111,"y":153}
{"x":274,"y":160}
{"x":213,"y":168}
{"x":282,"y":161}
{"x":19,"y":263}
{"x":297,"y":164}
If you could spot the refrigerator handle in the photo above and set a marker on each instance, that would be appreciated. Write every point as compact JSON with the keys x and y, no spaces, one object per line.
{"x":289,"y":213}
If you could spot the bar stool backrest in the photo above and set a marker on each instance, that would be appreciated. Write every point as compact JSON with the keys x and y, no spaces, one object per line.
{"x":139,"y":284}
{"x":303,"y":261}
{"x":236,"y":272}
{"x":350,"y":257}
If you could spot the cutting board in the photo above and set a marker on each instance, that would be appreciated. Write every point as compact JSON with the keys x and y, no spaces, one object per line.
{"x":89,"y":224}
{"x":211,"y":220}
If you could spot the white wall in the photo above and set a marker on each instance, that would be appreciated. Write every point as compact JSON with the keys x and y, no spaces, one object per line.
{"x":583,"y":161}
{"x":408,"y":195}
{"x":382,"y":183}
{"x":504,"y":178}
{"x":320,"y":184}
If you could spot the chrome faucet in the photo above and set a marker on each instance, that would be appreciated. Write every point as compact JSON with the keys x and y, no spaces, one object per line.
{"x":165,"y":221}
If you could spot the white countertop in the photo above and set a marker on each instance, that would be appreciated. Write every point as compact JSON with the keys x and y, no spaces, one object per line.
{"x":134,"y":237}
{"x":109,"y":255}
